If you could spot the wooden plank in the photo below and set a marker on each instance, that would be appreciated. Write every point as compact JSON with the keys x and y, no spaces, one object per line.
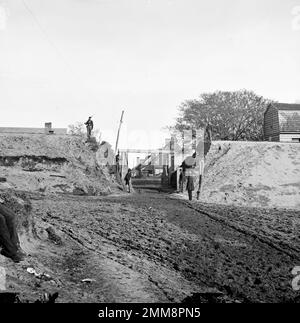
{"x":146,"y":151}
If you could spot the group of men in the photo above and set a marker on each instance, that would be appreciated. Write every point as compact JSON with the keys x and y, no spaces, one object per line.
{"x":186,"y":172}
{"x":186,"y":168}
{"x":186,"y":175}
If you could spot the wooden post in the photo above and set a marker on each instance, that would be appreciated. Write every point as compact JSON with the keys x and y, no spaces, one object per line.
{"x":178,"y":187}
{"x":2,"y":279}
{"x":118,"y":135}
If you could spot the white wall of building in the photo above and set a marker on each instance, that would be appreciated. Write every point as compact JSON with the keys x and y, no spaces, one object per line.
{"x":289,"y":137}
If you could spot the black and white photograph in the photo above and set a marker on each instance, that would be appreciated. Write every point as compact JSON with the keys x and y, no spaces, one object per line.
{"x":150,"y":154}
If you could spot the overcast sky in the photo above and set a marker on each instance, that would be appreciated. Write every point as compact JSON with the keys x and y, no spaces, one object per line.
{"x":63,"y":60}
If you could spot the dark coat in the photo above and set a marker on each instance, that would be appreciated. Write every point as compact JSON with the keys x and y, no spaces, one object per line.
{"x":127,"y":177}
{"x":90,"y":124}
{"x":190,"y":184}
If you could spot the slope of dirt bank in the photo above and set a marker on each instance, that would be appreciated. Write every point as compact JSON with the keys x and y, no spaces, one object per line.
{"x":152,"y":247}
{"x":259,"y":174}
{"x":52,"y":164}
{"x":20,"y":204}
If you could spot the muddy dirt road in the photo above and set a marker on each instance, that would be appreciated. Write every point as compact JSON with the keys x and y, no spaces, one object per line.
{"x":155,"y":247}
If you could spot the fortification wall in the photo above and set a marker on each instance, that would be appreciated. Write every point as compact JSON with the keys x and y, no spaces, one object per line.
{"x":261,"y":174}
{"x":52,"y":164}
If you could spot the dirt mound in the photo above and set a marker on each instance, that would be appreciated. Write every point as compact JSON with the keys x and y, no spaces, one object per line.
{"x":21,"y":205}
{"x":52,"y":164}
{"x":258,"y":174}
{"x":35,"y":167}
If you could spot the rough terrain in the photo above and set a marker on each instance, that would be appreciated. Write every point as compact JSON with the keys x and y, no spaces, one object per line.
{"x":90,"y":242}
{"x":153,"y":247}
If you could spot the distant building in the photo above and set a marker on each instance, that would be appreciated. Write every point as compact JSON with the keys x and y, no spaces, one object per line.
{"x":48,"y":130}
{"x":282,"y":122}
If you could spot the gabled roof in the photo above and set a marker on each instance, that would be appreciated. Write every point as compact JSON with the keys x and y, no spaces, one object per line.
{"x":288,"y":115}
{"x":287,"y":106}
{"x":289,"y":120}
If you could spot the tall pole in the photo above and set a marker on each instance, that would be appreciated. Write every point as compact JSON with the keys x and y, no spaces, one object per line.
{"x":117,"y":142}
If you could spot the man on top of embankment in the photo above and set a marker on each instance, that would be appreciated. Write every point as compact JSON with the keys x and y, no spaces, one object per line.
{"x":9,"y":240}
{"x":89,"y":127}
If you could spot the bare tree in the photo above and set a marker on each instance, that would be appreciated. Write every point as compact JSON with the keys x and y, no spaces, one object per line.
{"x":77,"y":129}
{"x":231,"y":115}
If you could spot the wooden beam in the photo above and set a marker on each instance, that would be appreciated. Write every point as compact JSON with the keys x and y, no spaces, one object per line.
{"x":146,"y":151}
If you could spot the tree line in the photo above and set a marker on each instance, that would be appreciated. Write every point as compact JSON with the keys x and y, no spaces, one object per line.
{"x":236,"y":115}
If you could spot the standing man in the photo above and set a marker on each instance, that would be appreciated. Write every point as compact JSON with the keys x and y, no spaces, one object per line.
{"x":89,"y":127}
{"x":128,"y":179}
{"x":118,"y":162}
{"x":188,"y":167}
{"x":190,"y":187}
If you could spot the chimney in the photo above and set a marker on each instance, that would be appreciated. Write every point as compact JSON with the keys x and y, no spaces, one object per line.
{"x":48,"y":128}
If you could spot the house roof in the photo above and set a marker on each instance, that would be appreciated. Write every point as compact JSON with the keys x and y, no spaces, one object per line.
{"x":287,"y":106}
{"x":289,"y":120}
{"x":289,"y":116}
